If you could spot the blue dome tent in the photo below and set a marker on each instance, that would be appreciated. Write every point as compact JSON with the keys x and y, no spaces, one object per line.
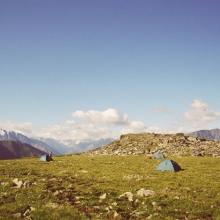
{"x":168,"y":165}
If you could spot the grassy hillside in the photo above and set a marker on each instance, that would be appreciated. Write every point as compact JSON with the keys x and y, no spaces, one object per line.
{"x":89,"y":187}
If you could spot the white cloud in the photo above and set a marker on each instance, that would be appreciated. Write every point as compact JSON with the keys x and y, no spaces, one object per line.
{"x":200,"y":115}
{"x":92,"y":124}
{"x":134,"y":127}
{"x":25,"y":127}
{"x":111,"y":123}
{"x":110,"y":116}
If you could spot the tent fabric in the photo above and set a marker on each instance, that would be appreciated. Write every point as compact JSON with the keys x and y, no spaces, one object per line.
{"x":46,"y":157}
{"x":43,"y":157}
{"x":158,"y":155}
{"x":168,"y":165}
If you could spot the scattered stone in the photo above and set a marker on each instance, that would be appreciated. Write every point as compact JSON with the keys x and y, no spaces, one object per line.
{"x":144,"y":192}
{"x":128,"y":195}
{"x":4,"y":183}
{"x":103,"y":197}
{"x":96,"y":207}
{"x":154,"y":204}
{"x":115,"y":215}
{"x":17,"y":183}
{"x":56,"y":193}
{"x":150,"y":217}
{"x":136,"y":201}
{"x":32,"y":209}
{"x":168,"y":144}
{"x":114,"y":203}
{"x":27,"y":212}
{"x":79,"y":197}
{"x":107,"y":209}
{"x":83,"y":171}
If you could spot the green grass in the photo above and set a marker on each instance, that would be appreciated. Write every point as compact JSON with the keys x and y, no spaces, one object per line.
{"x":70,"y":187}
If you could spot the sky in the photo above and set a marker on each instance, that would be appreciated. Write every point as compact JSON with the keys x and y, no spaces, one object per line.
{"x":81,"y":69}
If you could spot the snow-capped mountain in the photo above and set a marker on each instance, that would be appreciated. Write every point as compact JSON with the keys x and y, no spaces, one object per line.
{"x":15,"y":136}
{"x":53,"y":145}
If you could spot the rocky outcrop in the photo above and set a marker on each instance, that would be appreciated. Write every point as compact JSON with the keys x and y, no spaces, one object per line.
{"x":169,"y":144}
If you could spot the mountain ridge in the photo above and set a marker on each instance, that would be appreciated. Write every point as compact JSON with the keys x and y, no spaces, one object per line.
{"x":16,"y":136}
{"x":16,"y":149}
{"x":213,"y":134}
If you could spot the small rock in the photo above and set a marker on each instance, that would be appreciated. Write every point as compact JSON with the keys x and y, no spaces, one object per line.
{"x":107,"y":209}
{"x":114,"y":203}
{"x":159,"y":208}
{"x":17,"y":183}
{"x":27,"y":212}
{"x":150,"y":217}
{"x":32,"y":209}
{"x":96,"y":207}
{"x":144,"y":193}
{"x":128,"y":195}
{"x":103,"y":197}
{"x":115,"y":215}
{"x":136,"y":201}
{"x":56,"y":193}
{"x":4,"y":183}
{"x":83,"y":171}
{"x":154,"y":204}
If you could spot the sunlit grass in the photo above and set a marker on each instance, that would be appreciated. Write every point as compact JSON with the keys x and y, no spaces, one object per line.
{"x":70,"y":187}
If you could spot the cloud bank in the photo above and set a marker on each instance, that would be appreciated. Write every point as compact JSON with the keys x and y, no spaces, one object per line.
{"x":200,"y":115}
{"x":111,"y":123}
{"x":93,"y":124}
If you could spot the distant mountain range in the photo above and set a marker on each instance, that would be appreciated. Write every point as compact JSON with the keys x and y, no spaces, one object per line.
{"x":14,"y":136}
{"x":213,"y":134}
{"x":16,"y":149}
{"x":53,"y":145}
{"x":16,"y":145}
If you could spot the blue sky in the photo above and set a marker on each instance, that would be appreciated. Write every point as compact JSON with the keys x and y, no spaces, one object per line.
{"x":57,"y":57}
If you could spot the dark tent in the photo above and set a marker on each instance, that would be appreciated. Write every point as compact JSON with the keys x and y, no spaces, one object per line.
{"x":168,"y":165}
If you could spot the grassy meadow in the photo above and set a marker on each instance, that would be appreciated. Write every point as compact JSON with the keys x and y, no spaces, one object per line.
{"x":89,"y":187}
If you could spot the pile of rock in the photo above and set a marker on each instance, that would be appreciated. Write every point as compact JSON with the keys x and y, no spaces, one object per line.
{"x":169,"y":144}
